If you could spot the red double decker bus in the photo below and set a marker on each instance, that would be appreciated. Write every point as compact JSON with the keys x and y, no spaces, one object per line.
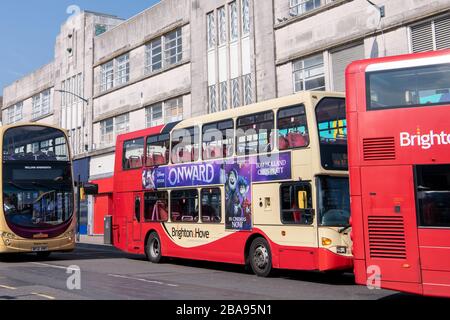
{"x":398,"y":113}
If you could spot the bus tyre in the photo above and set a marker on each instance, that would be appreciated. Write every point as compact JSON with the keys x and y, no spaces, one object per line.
{"x":260,"y":257}
{"x":153,"y":248}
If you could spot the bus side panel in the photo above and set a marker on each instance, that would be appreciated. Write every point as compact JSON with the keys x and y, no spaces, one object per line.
{"x":119,"y":224}
{"x":434,"y":246}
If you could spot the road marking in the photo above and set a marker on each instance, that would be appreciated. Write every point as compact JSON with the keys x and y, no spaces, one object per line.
{"x":43,"y":296}
{"x":7,"y":287}
{"x":143,"y":280}
{"x":50,"y":265}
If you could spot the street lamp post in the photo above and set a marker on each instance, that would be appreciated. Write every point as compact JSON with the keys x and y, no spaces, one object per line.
{"x":79,"y":183}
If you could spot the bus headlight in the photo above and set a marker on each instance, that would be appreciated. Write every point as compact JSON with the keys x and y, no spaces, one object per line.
{"x":326,"y":241}
{"x":7,"y":235}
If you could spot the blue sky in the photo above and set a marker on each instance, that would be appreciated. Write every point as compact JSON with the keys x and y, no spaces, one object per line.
{"x":28,"y":29}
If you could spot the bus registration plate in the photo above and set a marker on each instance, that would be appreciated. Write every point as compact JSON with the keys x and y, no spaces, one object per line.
{"x":39,"y":248}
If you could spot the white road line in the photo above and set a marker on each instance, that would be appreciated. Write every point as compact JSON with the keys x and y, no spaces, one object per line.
{"x":50,"y":265}
{"x":7,"y":287}
{"x":143,"y":280}
{"x":43,"y":296}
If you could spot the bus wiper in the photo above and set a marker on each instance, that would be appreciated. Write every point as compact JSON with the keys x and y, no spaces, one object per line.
{"x":344,"y":229}
{"x":17,"y":185}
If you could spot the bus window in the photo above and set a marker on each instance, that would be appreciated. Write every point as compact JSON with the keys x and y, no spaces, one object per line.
{"x":133,"y":154}
{"x":185,"y":145}
{"x":254,"y":133}
{"x":157,"y":150}
{"x":211,"y":205}
{"x":137,"y":209}
{"x":35,"y":143}
{"x":433,"y":195}
{"x":292,"y":128}
{"x":332,"y":126}
{"x":409,"y":87}
{"x":184,"y":205}
{"x":218,"y":140}
{"x":333,"y":201}
{"x":293,"y":198}
{"x":156,"y":206}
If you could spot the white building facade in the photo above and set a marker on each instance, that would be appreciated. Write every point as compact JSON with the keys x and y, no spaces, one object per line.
{"x":183,"y":58}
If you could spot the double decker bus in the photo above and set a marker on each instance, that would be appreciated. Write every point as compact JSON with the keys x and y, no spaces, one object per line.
{"x":398,"y":111}
{"x":37,"y":198}
{"x":264,"y":185}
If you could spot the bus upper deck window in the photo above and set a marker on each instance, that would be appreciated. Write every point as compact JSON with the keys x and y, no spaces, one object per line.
{"x":292,"y":128}
{"x":185,"y":145}
{"x":218,"y":140}
{"x":158,"y":150}
{"x":133,"y":154}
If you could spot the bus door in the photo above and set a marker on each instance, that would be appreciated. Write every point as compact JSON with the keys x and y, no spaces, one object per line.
{"x":391,"y":242}
{"x":432,"y":183}
{"x":137,"y":217}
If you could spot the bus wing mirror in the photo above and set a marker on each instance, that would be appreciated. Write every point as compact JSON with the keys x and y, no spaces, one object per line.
{"x":90,"y":189}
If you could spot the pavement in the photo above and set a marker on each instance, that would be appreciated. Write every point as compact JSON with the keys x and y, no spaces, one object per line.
{"x":100,"y":272}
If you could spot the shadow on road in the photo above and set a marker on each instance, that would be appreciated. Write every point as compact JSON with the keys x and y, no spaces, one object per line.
{"x":81,"y":252}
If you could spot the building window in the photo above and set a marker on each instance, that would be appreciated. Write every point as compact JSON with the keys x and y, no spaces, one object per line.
{"x":107,"y":75}
{"x":41,"y":104}
{"x":156,"y":206}
{"x":211,"y":30}
{"x":184,"y":205}
{"x":63,"y":94}
{"x":245,"y":17}
{"x":156,"y":58}
{"x":212,"y":99}
{"x":123,"y":69}
{"x":211,"y":205}
{"x":431,"y":35}
{"x":234,"y":33}
{"x":154,"y":115}
{"x":153,"y":56}
{"x":107,"y":131}
{"x":112,"y":127}
{"x":248,"y":89}
{"x":223,"y":88}
{"x":14,"y":113}
{"x":222,"y":25}
{"x":173,"y":110}
{"x":235,"y":93}
{"x":173,"y":47}
{"x":298,"y":7}
{"x":122,"y":123}
{"x":309,"y":74}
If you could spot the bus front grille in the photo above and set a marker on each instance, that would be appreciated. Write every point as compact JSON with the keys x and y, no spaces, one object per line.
{"x":387,"y":237}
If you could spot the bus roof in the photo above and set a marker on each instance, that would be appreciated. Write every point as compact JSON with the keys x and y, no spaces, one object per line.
{"x":399,"y":61}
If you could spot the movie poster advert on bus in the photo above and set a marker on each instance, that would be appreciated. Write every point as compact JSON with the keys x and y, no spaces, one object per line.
{"x":236,"y":174}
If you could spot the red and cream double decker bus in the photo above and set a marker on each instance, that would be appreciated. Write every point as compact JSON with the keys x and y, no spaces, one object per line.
{"x":398,"y":111}
{"x":265,"y":185}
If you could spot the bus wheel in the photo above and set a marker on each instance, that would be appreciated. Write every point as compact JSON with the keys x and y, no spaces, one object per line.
{"x":43,"y":254}
{"x":153,"y":248}
{"x":260,"y":257}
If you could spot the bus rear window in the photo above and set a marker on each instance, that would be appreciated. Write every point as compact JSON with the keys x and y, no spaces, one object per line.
{"x":410,"y":87}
